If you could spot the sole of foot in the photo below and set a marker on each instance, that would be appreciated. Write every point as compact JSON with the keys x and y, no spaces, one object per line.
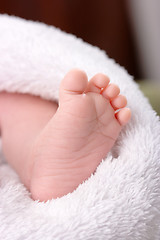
{"x":85,"y":127}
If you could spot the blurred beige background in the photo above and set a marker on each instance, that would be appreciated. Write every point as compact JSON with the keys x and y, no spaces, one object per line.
{"x":128,"y":30}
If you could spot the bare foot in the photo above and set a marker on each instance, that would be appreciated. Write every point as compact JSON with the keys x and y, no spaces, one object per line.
{"x":79,"y":136}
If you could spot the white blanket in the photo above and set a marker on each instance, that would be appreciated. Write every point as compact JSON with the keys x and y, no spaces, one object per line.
{"x":122,"y":199}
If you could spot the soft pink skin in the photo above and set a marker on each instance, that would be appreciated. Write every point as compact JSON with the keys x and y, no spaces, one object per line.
{"x":54,"y":150}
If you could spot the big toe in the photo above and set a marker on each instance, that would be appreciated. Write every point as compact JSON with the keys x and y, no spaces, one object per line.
{"x":74,"y":82}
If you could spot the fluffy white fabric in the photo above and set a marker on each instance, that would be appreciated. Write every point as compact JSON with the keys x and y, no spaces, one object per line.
{"x":122,"y":199}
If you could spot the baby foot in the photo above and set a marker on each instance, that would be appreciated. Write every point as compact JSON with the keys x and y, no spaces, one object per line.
{"x":79,"y":136}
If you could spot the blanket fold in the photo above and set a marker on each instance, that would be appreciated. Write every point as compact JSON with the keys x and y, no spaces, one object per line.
{"x":122,"y":199}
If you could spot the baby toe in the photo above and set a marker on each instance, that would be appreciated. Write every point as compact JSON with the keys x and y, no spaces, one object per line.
{"x":74,"y":82}
{"x":119,"y":102}
{"x":123,"y":116}
{"x":97,"y":83}
{"x":111,"y":91}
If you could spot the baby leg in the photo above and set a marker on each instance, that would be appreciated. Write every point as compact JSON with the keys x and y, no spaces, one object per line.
{"x":54,"y":149}
{"x":22,"y":117}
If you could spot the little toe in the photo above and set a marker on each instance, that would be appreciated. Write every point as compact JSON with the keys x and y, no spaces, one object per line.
{"x":74,"y":82}
{"x":123,"y":116}
{"x":119,"y":102}
{"x":111,"y":91}
{"x":97,"y":83}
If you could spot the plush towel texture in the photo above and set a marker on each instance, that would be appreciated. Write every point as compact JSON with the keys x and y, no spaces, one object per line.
{"x":122,"y":199}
